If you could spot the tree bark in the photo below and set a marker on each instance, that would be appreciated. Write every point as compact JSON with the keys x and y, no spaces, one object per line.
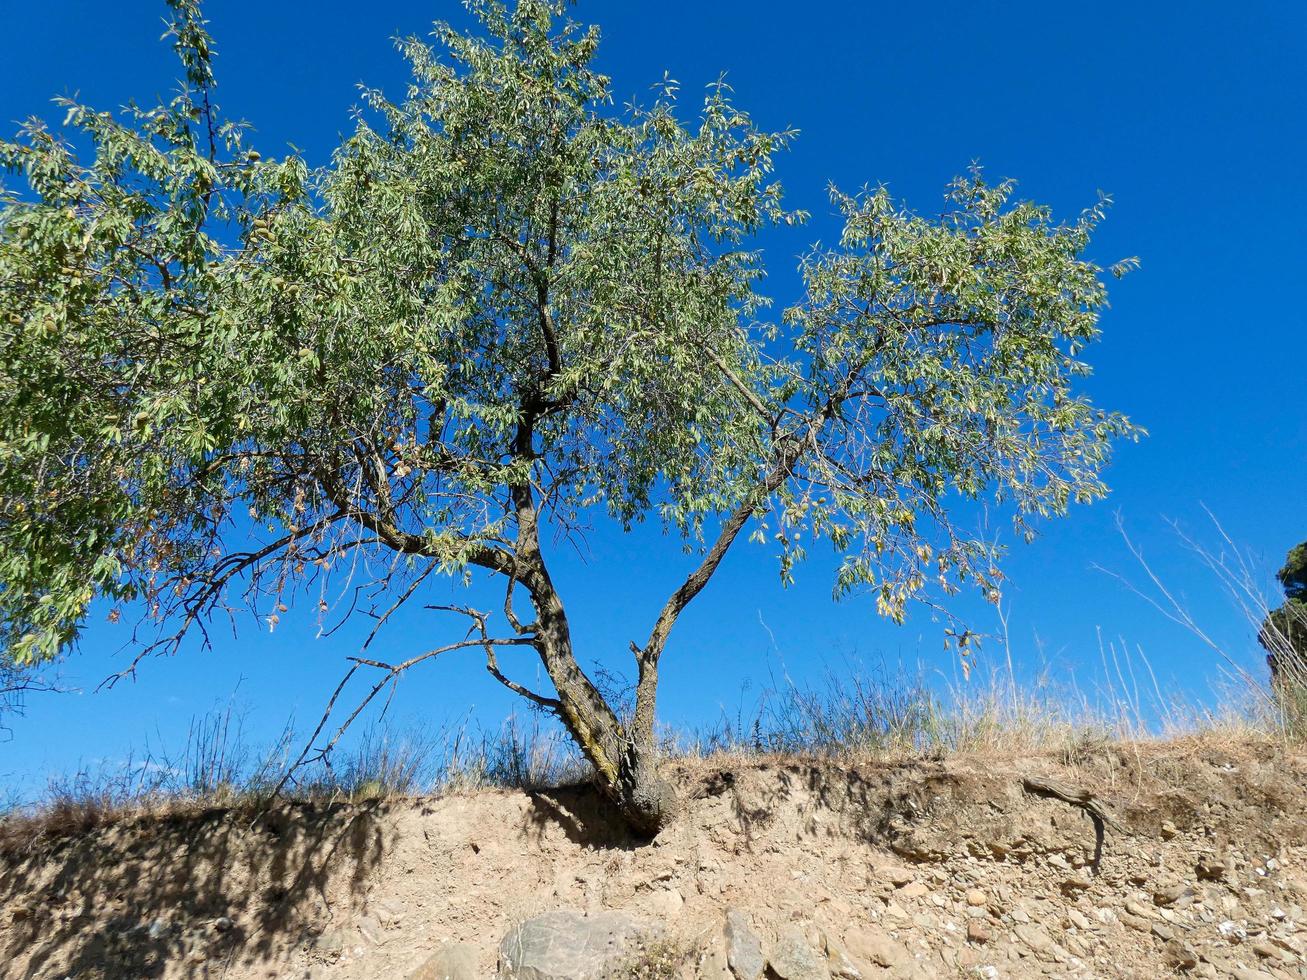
{"x":625,"y":760}
{"x":625,"y":757}
{"x":646,"y":800}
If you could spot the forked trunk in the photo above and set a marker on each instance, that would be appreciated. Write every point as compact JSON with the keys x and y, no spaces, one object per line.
{"x":625,"y":762}
{"x":624,"y":757}
{"x":626,"y":767}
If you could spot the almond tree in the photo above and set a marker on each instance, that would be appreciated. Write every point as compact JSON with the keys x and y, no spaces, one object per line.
{"x":506,"y":306}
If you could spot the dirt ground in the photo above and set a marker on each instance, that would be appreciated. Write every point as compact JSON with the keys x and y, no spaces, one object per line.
{"x":953,"y":867}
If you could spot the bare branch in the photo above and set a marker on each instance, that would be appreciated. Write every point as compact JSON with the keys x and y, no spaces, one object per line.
{"x":390,"y":676}
{"x":513,"y":621}
{"x":404,"y":597}
{"x":1174,"y":609}
{"x":744,"y":390}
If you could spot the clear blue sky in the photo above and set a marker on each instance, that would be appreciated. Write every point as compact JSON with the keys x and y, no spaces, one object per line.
{"x":1191,"y":115}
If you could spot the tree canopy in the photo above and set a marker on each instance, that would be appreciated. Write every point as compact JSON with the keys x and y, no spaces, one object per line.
{"x":1284,"y":631}
{"x":1293,"y":575}
{"x":504,"y":305}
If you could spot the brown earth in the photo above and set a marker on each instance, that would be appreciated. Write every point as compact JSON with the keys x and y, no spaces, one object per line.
{"x":947,"y":867}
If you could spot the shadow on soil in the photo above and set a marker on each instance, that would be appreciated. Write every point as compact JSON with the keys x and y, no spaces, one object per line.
{"x":217,"y":888}
{"x":127,"y":900}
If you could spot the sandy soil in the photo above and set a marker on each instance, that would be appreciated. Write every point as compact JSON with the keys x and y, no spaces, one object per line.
{"x":919,"y":868}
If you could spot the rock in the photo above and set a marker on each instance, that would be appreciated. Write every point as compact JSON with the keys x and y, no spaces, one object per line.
{"x":1270,"y":951}
{"x":898,"y":877}
{"x":666,"y":904}
{"x":1034,"y":936}
{"x":1287,"y":944}
{"x":457,"y":961}
{"x":743,"y":947}
{"x":976,"y":898}
{"x":841,"y":963}
{"x":1233,"y":931}
{"x":565,"y":945}
{"x":1265,"y":950}
{"x":712,"y":965}
{"x":1168,"y":830}
{"x":1136,"y":923}
{"x":1134,"y":908}
{"x":793,"y":959}
{"x":914,"y":889}
{"x":1164,"y":933}
{"x":1076,"y":884}
{"x":388,"y":913}
{"x":1171,"y":894}
{"x":331,"y":941}
{"x":1077,"y":919}
{"x":1209,"y":870}
{"x":1182,"y":956}
{"x":369,"y":928}
{"x":977,"y":932}
{"x":1077,"y":945}
{"x":876,"y":948}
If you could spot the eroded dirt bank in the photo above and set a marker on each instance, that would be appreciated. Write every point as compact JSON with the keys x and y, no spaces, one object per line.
{"x":929,"y":868}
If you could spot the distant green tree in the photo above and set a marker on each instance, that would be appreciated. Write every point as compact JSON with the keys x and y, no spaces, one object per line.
{"x":1284,"y":631}
{"x":503,"y":308}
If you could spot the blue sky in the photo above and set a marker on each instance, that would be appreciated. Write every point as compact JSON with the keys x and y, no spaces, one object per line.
{"x":1191,"y":116}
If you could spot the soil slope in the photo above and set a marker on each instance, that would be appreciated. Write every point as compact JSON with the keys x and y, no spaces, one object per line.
{"x":954,"y":867}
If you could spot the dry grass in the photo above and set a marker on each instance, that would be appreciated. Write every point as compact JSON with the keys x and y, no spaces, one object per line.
{"x":852,"y":715}
{"x":217,"y":769}
{"x":897,"y":715}
{"x":657,"y":958}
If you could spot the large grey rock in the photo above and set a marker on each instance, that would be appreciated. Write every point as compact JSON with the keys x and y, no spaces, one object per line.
{"x":793,"y":959}
{"x":565,"y":945}
{"x":457,"y":961}
{"x":743,"y":947}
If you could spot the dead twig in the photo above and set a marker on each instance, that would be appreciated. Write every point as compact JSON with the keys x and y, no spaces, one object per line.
{"x":476,"y":636}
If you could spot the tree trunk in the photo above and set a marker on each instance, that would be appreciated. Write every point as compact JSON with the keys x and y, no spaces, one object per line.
{"x":626,"y":770}
{"x":625,"y":765}
{"x":625,"y":761}
{"x":646,"y":800}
